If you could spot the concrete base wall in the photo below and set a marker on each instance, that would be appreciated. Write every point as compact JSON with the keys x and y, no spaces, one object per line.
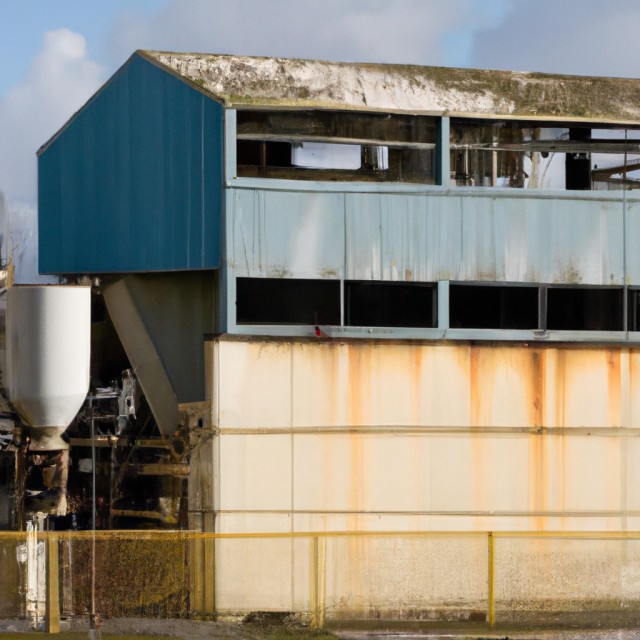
{"x":378,"y":437}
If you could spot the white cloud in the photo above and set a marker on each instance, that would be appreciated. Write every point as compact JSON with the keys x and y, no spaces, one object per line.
{"x":60,"y":79}
{"x":402,"y":31}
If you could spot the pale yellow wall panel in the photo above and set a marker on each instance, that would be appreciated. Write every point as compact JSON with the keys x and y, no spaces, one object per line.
{"x":588,"y":381}
{"x":328,"y":472}
{"x":305,"y":384}
{"x":350,"y":385}
{"x":359,"y":473}
{"x":444,"y":386}
{"x":592,"y":474}
{"x":478,"y":472}
{"x":461,"y":522}
{"x":502,"y":384}
{"x":253,"y":574}
{"x":386,"y":473}
{"x":394,"y":574}
{"x":547,"y":473}
{"x":522,"y":474}
{"x":326,"y":385}
{"x":404,"y":484}
{"x":493,"y":452}
{"x":386,"y":384}
{"x":254,"y":523}
{"x":630,"y":462}
{"x":255,"y":472}
{"x":566,"y":570}
{"x":634,"y":389}
{"x":254,"y":384}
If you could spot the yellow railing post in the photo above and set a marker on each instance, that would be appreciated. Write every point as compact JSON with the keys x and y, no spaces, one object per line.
{"x":491,"y":606}
{"x":210,"y":550}
{"x":53,"y":586}
{"x":314,"y":603}
{"x":325,"y":549}
{"x":322,"y":567}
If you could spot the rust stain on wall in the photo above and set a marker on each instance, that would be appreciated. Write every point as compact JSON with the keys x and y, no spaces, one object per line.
{"x":615,"y":387}
{"x":475,"y":380}
{"x":537,"y":385}
{"x":557,"y":387}
{"x":417,"y":380}
{"x":359,"y":401}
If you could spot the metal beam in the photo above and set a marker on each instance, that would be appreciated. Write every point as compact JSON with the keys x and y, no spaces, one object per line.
{"x":156,"y":469}
{"x":595,"y":145}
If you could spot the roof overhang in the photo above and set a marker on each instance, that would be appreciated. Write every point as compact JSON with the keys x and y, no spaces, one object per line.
{"x":253,"y":82}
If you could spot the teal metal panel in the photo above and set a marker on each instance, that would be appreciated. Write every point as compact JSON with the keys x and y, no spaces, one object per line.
{"x":287,"y":234}
{"x":431,"y":234}
{"x":464,"y":236}
{"x":134,"y":181}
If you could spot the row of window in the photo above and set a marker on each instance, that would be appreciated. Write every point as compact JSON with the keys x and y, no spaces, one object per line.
{"x":325,"y":145}
{"x":266,"y":301}
{"x":317,"y":302}
{"x":336,"y":145}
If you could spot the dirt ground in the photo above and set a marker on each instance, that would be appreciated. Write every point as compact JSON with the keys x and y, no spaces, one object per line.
{"x":183,"y":629}
{"x":261,"y":630}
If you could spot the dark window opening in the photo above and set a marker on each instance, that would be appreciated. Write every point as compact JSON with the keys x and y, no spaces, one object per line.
{"x":633,"y":311}
{"x":338,"y":125}
{"x":287,"y":301}
{"x":543,"y":155}
{"x":578,"y":164}
{"x":328,"y":145}
{"x":584,"y":309}
{"x":263,"y":154}
{"x":390,"y":304}
{"x":493,"y":307}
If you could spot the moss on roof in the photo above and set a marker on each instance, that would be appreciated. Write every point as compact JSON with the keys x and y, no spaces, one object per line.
{"x":238,"y":81}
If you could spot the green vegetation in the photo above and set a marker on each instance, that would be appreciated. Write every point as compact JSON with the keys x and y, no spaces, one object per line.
{"x":263,"y":630}
{"x":77,"y":635}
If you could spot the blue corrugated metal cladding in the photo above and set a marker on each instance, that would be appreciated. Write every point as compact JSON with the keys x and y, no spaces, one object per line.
{"x":134,"y":181}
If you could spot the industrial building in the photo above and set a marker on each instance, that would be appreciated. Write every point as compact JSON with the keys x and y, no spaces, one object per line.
{"x":372,"y":298}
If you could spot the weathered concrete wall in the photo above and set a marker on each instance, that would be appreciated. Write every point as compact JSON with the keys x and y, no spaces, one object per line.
{"x":340,"y":436}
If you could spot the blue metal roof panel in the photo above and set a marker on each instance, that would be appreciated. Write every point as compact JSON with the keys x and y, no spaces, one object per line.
{"x":134,"y":181}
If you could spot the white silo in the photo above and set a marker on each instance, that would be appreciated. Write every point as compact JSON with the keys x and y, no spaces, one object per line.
{"x":48,"y":338}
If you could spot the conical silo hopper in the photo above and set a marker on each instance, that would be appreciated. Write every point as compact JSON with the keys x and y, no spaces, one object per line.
{"x":48,"y":337}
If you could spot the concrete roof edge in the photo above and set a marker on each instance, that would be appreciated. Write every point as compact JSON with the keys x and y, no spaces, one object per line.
{"x":253,"y":81}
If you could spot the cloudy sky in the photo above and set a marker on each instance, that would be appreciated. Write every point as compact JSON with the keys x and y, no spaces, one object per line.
{"x":57,"y":53}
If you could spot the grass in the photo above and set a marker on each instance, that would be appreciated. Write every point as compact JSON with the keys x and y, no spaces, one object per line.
{"x":266,"y":632}
{"x":76,"y":635}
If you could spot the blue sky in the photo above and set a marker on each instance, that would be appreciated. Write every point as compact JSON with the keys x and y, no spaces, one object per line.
{"x":24,"y":23}
{"x":57,"y":53}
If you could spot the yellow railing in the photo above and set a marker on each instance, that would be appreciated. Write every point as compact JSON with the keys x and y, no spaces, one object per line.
{"x":335,"y":575}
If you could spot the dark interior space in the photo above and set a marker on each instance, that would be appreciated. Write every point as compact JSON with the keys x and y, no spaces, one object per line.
{"x":578,"y":165}
{"x":390,"y":304}
{"x":260,"y":153}
{"x":584,"y":309}
{"x":495,"y":307}
{"x":287,"y":301}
